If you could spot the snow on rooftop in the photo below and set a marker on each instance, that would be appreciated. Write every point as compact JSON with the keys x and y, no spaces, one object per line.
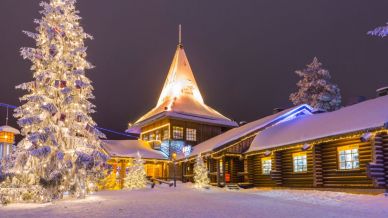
{"x":9,"y":129}
{"x":181,"y":94}
{"x":366,"y":115}
{"x":129,"y":148}
{"x":249,"y":128}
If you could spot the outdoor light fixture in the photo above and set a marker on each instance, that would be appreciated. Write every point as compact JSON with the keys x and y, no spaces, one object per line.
{"x":306,"y":147}
{"x":366,"y":137}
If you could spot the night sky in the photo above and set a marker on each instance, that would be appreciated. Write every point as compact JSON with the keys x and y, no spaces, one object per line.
{"x":243,"y":53}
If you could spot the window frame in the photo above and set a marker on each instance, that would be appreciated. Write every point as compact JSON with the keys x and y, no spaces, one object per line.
{"x":296,"y":159}
{"x":152,"y":136}
{"x":264,"y":170}
{"x":191,"y":134}
{"x":176,"y":130}
{"x":165,"y":134}
{"x":350,"y":148}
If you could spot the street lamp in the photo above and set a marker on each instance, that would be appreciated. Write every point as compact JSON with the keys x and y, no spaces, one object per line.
{"x":174,"y":163}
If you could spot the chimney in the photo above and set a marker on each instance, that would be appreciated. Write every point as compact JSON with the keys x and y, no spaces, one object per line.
{"x":382,"y":91}
{"x":277,"y":110}
{"x":242,"y":123}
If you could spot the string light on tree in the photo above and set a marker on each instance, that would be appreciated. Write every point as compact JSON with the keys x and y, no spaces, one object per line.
{"x":137,"y":177}
{"x":60,"y":153}
{"x":201,"y":179}
{"x":315,"y":88}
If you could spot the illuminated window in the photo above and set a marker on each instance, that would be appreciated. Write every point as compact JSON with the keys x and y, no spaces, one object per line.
{"x":166,"y":134}
{"x":348,"y":157}
{"x":152,"y":136}
{"x":191,"y":134}
{"x":145,"y":137}
{"x":177,"y":132}
{"x":266,"y":165}
{"x":158,"y":135}
{"x":300,"y":162}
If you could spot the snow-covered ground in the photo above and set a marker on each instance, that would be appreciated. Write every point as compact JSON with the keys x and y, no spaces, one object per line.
{"x":184,"y":201}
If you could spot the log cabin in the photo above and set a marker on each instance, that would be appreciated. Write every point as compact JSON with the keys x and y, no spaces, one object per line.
{"x":179,"y":121}
{"x":224,"y":153}
{"x":346,"y":148}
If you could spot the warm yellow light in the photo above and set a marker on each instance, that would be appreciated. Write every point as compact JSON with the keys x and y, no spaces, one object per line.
{"x":180,"y":80}
{"x":156,"y":128}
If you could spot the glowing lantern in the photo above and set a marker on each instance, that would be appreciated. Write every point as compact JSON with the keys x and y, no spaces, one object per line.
{"x":7,"y":139}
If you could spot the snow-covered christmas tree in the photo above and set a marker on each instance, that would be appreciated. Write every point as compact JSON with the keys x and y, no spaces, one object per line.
{"x":316,"y":89}
{"x":60,"y":152}
{"x":136,"y":177}
{"x":201,"y":179}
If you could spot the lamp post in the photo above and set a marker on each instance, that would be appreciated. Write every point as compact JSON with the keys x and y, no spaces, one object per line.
{"x":174,"y":163}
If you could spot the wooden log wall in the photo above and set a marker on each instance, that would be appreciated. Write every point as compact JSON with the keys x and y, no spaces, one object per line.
{"x":255,"y":174}
{"x":317,"y":167}
{"x":296,"y":179}
{"x":276,"y":172}
{"x":375,"y":169}
{"x":333,"y":177}
{"x":323,"y":166}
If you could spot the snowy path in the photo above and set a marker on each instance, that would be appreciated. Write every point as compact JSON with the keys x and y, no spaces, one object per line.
{"x":186,"y":202}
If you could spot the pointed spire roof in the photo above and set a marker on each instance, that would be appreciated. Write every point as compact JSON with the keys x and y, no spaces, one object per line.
{"x":181,"y":97}
{"x":180,"y":79}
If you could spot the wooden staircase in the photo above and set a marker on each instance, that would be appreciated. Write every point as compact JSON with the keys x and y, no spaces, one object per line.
{"x":232,"y":187}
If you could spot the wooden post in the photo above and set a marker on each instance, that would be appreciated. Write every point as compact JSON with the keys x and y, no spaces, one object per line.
{"x":183,"y":165}
{"x":246,"y":177}
{"x":218,"y":172}
{"x":123,"y":173}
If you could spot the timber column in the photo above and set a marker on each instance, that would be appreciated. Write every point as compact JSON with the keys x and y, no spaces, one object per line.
{"x":123,"y":172}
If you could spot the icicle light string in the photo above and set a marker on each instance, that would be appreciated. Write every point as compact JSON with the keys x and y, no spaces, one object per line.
{"x":100,"y":128}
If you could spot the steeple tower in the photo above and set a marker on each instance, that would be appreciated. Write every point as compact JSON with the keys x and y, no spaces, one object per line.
{"x":181,"y":97}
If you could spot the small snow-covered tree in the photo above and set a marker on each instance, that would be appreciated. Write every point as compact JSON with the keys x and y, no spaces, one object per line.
{"x":60,"y":152}
{"x":137,"y":177}
{"x":201,"y":179}
{"x":316,"y":89}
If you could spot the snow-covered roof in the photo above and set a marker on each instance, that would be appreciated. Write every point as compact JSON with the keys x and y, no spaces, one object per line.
{"x":249,"y":128}
{"x":362,"y":116}
{"x":181,"y":98}
{"x":9,"y":129}
{"x":129,"y":148}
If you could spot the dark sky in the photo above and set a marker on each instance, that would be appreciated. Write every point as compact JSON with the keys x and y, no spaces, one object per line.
{"x":243,"y":53}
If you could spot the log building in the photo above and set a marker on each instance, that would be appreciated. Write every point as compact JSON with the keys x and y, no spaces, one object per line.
{"x":347,"y":148}
{"x":179,"y":121}
{"x":296,"y":147}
